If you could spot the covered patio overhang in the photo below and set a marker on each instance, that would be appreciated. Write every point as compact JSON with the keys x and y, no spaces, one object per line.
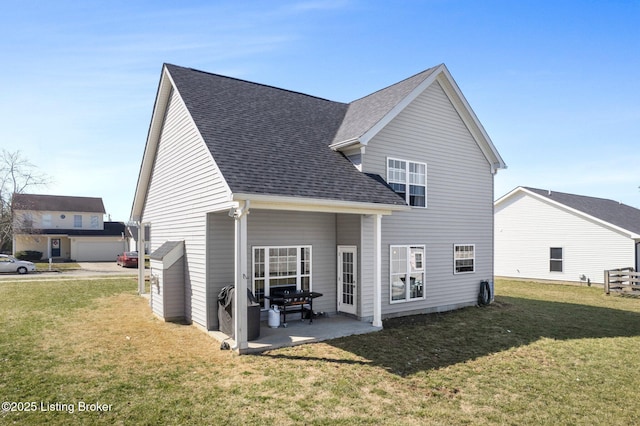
{"x":240,"y":208}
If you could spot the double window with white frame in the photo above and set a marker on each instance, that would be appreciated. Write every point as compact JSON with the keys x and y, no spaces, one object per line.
{"x":279,"y":269}
{"x":409,"y":180}
{"x":407,"y":273}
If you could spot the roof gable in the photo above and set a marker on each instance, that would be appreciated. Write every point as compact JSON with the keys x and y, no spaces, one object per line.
{"x":369,"y":115}
{"x":62,"y":203}
{"x":267,"y":140}
{"x":275,"y":142}
{"x":363,"y":114}
{"x":611,"y":212}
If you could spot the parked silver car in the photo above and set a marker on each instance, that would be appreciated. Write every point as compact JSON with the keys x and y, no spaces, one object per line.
{"x":11,"y":264}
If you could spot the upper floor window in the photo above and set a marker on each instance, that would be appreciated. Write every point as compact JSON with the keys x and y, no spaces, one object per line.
{"x":46,"y":221}
{"x":27,"y":220}
{"x":77,"y":221}
{"x":409,"y":180}
{"x":94,"y":222}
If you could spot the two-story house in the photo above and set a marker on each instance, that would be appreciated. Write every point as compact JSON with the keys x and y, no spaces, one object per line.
{"x":66,"y":228}
{"x":384,"y":205}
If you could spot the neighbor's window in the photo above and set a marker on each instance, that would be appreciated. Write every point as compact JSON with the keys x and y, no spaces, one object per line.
{"x":77,"y":221}
{"x":94,"y":222}
{"x":277,"y":269}
{"x":27,"y":220}
{"x":407,"y":273}
{"x":46,"y":221}
{"x":409,"y":180}
{"x":464,"y":258}
{"x":555,"y":263}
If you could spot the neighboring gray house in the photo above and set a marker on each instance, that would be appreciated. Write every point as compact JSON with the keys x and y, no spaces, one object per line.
{"x":549,"y":235}
{"x":384,"y":204}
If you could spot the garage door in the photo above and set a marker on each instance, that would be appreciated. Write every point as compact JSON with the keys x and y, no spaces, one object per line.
{"x":98,"y":251}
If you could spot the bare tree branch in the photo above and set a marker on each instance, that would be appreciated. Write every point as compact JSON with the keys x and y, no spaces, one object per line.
{"x":17,"y":174}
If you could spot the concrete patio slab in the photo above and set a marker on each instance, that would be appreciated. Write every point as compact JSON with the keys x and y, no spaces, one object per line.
{"x":300,"y":332}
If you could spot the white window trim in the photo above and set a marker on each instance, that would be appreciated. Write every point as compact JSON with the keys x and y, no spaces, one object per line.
{"x":454,"y":259}
{"x":407,"y":183}
{"x":299,"y":275}
{"x":408,"y":298}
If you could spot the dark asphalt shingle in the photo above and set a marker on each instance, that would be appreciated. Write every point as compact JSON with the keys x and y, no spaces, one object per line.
{"x":610,"y":211}
{"x":274,"y":141}
{"x":57,"y":203}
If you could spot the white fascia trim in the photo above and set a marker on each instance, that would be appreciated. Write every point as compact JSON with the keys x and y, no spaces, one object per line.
{"x":278,"y":202}
{"x":561,"y":206}
{"x":165,"y":88}
{"x":338,"y":146}
{"x":369,"y":134}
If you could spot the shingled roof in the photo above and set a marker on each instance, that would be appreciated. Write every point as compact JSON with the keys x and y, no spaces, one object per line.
{"x":610,"y":211}
{"x":364,"y":113}
{"x":61,"y":203}
{"x":272,"y":141}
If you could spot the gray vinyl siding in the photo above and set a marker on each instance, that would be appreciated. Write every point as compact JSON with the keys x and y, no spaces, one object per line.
{"x":167,"y":297}
{"x":348,"y":233}
{"x":156,"y":292}
{"x":367,"y":262}
{"x":459,"y":201}
{"x":526,"y":229}
{"x":221,"y":247}
{"x":185,"y":184}
{"x":286,"y":228}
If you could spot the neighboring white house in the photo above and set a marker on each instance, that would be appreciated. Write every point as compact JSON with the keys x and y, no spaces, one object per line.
{"x":384,"y":205}
{"x":548,"y":235}
{"x":66,"y":228}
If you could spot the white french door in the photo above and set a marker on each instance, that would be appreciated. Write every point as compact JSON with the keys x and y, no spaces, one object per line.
{"x":347,"y":279}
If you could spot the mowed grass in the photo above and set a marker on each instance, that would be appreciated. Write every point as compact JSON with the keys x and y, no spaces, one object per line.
{"x":541,"y":354}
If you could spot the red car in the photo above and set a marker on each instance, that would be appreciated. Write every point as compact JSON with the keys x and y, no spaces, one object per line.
{"x":128,"y":259}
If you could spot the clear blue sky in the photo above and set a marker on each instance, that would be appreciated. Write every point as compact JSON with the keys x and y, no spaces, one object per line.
{"x":555,"y":83}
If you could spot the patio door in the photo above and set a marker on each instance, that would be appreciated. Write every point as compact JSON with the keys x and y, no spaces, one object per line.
{"x":347,"y":279}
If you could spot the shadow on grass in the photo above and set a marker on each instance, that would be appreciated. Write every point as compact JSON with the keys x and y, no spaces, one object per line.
{"x":426,"y":342}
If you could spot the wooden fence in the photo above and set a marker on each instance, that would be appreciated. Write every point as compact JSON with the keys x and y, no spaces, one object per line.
{"x":622,"y":279}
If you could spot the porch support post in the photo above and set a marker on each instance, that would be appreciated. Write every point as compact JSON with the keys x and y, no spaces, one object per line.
{"x":241,"y":278}
{"x":377,"y":271}
{"x":49,"y":247}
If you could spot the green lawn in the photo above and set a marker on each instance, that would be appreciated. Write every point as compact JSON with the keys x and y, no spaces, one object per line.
{"x":541,"y":354}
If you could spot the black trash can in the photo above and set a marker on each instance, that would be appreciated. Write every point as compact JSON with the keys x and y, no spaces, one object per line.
{"x":226,"y":311}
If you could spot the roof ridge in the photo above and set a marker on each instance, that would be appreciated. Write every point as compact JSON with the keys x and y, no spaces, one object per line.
{"x":254,"y":83}
{"x":399,"y":82}
{"x":550,"y":191}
